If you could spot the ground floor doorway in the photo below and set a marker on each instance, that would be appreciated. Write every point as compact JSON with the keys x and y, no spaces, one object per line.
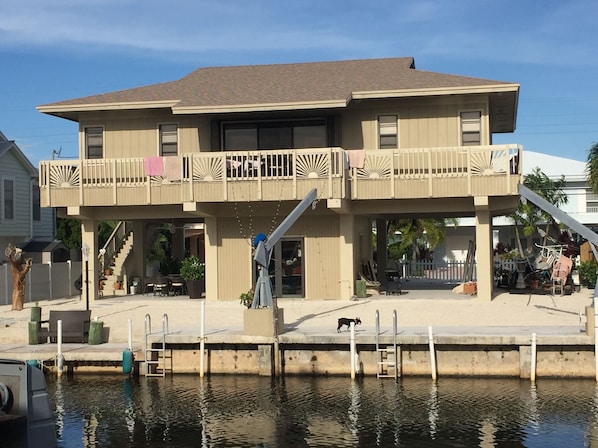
{"x":286,"y":268}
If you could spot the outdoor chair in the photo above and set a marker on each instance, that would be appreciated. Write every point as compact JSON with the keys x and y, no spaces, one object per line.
{"x":560,"y":272}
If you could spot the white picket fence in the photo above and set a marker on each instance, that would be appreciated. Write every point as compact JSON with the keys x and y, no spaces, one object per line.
{"x":445,"y":271}
{"x":43,"y":281}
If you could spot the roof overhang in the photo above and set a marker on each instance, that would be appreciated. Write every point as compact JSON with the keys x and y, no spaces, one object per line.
{"x":71,"y":111}
{"x":503,"y":100}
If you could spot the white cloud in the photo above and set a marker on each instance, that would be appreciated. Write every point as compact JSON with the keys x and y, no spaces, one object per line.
{"x":541,"y":33}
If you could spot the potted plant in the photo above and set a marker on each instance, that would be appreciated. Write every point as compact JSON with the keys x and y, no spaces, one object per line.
{"x":247,"y":298}
{"x":193,"y":272}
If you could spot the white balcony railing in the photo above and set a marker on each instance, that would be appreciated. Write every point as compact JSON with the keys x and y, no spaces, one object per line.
{"x":281,"y":174}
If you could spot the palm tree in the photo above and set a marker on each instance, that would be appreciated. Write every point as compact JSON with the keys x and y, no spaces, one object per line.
{"x":416,"y":234}
{"x":592,"y":168}
{"x":528,"y":215}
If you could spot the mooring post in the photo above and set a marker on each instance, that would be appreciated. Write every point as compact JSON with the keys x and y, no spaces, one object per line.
{"x":202,"y":332}
{"x":59,"y":357}
{"x":130,"y":326}
{"x":352,"y":344}
{"x":533,"y":361}
{"x":432,"y":353}
{"x":596,"y":331}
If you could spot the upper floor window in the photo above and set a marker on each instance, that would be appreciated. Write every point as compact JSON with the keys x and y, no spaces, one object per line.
{"x":471,"y":128}
{"x":591,"y":201}
{"x":388,"y":132}
{"x":8,"y":199}
{"x":35,"y":203}
{"x":169,"y":139}
{"x":94,"y":142}
{"x":275,"y":135}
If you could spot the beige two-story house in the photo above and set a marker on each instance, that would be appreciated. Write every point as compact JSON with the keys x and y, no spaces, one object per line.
{"x":229,"y":152}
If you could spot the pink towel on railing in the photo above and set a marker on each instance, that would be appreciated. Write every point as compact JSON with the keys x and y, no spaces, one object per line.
{"x":356,"y":158}
{"x":153,"y":166}
{"x":173,"y":168}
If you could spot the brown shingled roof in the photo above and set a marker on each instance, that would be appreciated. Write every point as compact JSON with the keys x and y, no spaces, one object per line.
{"x":211,"y":88}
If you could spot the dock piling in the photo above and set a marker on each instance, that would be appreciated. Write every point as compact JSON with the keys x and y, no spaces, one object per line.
{"x":533,"y":361}
{"x":432,"y":353}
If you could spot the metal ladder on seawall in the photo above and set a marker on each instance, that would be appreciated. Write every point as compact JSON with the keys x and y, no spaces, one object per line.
{"x":387,"y":357}
{"x":155,"y":358}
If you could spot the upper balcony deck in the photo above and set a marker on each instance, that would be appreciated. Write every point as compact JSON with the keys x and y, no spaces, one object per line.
{"x":275,"y":175}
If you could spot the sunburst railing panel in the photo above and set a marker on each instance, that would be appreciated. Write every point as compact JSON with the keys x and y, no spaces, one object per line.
{"x":208,"y":169}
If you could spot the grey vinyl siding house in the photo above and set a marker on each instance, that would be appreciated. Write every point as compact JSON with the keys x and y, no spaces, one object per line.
{"x":22,"y":220}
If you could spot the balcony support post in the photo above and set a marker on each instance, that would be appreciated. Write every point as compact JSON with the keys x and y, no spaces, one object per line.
{"x":89,"y":237}
{"x":483,"y":233}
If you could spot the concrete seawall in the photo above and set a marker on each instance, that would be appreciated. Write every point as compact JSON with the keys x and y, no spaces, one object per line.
{"x":456,"y":355}
{"x":472,"y":338}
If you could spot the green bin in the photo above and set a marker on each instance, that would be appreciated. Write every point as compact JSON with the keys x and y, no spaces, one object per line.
{"x":360,"y":289}
{"x":36,"y":313}
{"x":33,"y":333}
{"x":96,"y":328}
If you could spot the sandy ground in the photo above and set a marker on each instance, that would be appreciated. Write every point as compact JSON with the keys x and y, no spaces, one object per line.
{"x":415,"y":308}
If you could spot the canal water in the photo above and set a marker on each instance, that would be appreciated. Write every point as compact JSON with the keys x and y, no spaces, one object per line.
{"x":239,"y":411}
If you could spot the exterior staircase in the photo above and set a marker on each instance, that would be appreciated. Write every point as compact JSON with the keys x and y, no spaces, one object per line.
{"x":118,"y":247}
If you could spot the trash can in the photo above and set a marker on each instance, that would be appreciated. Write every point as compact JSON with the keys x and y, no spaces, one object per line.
{"x":361,"y":289}
{"x":36,"y":313}
{"x":33,"y":332}
{"x":96,"y":329}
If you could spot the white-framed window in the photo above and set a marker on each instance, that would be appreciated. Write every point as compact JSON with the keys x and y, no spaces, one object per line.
{"x":169,"y":140}
{"x":94,"y":142}
{"x":8,"y":199}
{"x":471,"y":128}
{"x":591,"y":201}
{"x":388,"y":131}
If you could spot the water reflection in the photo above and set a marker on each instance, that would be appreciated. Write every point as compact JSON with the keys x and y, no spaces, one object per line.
{"x":107,"y":411}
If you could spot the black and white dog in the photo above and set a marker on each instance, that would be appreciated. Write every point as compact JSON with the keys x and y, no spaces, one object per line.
{"x":344,"y":321}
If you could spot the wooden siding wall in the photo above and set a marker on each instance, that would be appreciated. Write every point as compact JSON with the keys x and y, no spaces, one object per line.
{"x":12,"y":169}
{"x":320,"y":254}
{"x":137,"y":133}
{"x":423,"y":123}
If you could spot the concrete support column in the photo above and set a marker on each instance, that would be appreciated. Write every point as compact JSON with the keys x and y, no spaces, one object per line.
{"x":211,"y":272}
{"x":381,"y":249}
{"x":89,"y":236}
{"x":346,"y":254}
{"x":484,"y":261}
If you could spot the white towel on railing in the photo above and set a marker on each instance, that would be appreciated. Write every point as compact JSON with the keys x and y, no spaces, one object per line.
{"x":173,"y":168}
{"x":356,"y":158}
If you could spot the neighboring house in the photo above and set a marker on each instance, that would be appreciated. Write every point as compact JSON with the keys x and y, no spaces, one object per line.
{"x":229,"y":151}
{"x":23,"y":222}
{"x":582,"y":205}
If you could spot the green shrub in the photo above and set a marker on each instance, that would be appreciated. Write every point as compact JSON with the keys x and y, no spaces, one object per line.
{"x":192,"y":268}
{"x":588,"y":272}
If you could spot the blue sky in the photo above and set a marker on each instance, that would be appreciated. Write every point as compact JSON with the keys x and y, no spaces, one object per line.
{"x":63,"y":49}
